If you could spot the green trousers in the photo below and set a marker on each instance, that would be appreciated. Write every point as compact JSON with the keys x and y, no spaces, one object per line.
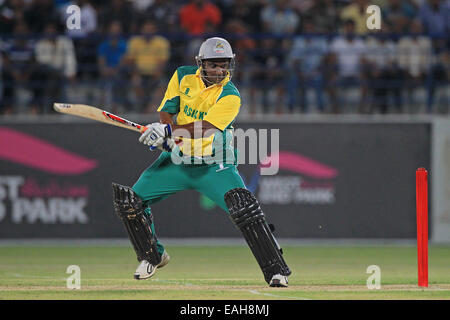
{"x":164,"y":178}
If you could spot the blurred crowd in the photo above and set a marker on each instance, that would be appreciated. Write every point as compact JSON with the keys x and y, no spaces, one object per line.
{"x":291,"y":55}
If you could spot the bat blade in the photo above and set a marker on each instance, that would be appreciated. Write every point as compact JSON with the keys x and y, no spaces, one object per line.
{"x":97,"y":114}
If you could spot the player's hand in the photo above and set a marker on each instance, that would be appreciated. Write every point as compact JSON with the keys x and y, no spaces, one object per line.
{"x":155,"y":131}
{"x":163,"y":144}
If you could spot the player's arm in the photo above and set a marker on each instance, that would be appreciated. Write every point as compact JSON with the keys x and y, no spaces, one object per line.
{"x":194,"y":129}
{"x":200,"y":128}
{"x":166,"y":118}
{"x":219,"y":117}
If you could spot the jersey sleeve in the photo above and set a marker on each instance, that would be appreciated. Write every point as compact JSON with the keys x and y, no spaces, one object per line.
{"x":223,"y":113}
{"x":171,"y":101}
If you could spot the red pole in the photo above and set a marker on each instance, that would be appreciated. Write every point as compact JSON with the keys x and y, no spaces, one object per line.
{"x":422,"y":225}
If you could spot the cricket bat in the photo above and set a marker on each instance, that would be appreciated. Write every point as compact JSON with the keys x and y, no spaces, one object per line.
{"x":85,"y":111}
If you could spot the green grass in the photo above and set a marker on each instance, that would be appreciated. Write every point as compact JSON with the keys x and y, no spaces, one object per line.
{"x":220,"y":272}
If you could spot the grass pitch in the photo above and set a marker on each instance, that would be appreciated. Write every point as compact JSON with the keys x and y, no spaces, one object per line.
{"x":220,"y":272}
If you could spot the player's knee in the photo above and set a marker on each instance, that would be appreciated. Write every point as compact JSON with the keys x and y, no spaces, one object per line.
{"x":125,"y":200}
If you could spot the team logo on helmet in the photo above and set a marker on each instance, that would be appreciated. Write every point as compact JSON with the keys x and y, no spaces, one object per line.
{"x":219,"y":47}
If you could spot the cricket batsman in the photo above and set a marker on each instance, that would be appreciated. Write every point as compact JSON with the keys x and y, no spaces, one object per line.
{"x":205,"y":103}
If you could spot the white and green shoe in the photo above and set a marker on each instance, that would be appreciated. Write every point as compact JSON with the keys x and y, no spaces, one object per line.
{"x":146,"y":270}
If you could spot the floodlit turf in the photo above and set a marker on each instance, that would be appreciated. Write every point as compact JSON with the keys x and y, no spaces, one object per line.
{"x":220,"y":272}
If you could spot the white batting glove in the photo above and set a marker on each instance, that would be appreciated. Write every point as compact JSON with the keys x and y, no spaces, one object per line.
{"x":145,"y":136}
{"x":166,"y":144}
{"x":155,"y":131}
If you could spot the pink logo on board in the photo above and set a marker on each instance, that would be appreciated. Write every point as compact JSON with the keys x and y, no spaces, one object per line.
{"x":29,"y":198}
{"x":36,"y":153}
{"x":298,"y":163}
{"x":309,"y":181}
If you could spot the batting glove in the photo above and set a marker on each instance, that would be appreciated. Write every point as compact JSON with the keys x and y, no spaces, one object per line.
{"x":155,"y":131}
{"x":163,"y":144}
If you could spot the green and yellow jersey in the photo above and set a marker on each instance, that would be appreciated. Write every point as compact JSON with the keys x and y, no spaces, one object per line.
{"x":189,"y":98}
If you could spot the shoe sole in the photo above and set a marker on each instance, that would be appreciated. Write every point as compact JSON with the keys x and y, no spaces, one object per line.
{"x":162,"y":264}
{"x":277,"y":284}
{"x":138,"y":277}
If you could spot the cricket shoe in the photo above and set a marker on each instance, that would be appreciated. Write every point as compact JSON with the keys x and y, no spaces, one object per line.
{"x":146,"y":270}
{"x":279,"y":281}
